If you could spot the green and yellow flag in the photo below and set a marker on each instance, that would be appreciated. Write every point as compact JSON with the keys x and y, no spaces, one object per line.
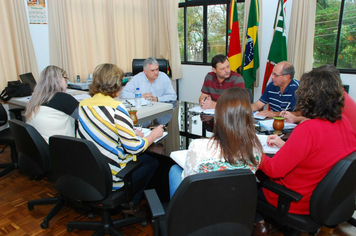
{"x":251,"y":55}
{"x":234,"y":33}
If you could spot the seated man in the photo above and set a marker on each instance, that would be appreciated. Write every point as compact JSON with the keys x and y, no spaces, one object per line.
{"x":280,"y":94}
{"x":152,"y":83}
{"x":217,"y":81}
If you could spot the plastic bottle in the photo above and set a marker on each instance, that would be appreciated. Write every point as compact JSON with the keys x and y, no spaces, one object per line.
{"x":138,"y":98}
{"x":78,"y":79}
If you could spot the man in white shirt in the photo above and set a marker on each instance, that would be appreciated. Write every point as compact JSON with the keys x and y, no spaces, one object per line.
{"x":152,"y":83}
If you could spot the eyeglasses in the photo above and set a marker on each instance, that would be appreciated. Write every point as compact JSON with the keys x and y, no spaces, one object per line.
{"x":277,"y":75}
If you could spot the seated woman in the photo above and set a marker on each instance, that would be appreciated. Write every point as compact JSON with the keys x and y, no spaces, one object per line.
{"x":234,"y":144}
{"x":106,"y":123}
{"x":349,"y":109}
{"x":50,"y":110}
{"x":315,"y":145}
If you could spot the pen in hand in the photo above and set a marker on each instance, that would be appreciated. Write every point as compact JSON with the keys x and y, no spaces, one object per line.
{"x":285,"y":110}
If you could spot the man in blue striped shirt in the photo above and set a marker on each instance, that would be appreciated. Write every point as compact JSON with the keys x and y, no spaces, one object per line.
{"x":280,"y":93}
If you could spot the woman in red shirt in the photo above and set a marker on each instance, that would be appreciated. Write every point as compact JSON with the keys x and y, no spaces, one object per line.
{"x":316,"y":144}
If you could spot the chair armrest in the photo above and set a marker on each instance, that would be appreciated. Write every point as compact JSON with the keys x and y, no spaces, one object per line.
{"x":130,"y":167}
{"x":286,"y":197}
{"x":154,"y":203}
{"x":282,"y":191}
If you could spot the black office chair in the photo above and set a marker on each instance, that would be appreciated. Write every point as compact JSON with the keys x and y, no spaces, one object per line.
{"x":7,"y":139}
{"x":207,"y":204}
{"x":34,"y":161}
{"x":82,"y":173}
{"x":332,"y":202}
{"x":137,"y":65}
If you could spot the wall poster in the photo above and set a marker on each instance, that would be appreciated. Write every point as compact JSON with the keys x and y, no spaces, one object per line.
{"x":37,"y":11}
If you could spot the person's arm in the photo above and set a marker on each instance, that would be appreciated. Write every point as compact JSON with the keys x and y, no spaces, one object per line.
{"x":131,"y":143}
{"x":294,"y":151}
{"x":202,"y":97}
{"x":206,"y":102}
{"x":257,"y":106}
{"x":155,"y":134}
{"x":129,"y":89}
{"x":292,"y":117}
{"x":169,"y":94}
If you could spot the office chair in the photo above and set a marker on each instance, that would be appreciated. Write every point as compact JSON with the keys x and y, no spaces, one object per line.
{"x":137,"y":65}
{"x":207,"y":204}
{"x":332,"y":202}
{"x":7,"y":139}
{"x":34,"y":161}
{"x":82,"y":173}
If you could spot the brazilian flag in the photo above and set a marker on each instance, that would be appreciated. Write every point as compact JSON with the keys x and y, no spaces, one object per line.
{"x":251,"y":55}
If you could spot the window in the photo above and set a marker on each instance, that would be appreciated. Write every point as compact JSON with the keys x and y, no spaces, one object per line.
{"x":335,"y":34}
{"x":203,"y":30}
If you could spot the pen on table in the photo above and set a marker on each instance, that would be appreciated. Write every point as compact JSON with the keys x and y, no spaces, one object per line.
{"x":129,"y":103}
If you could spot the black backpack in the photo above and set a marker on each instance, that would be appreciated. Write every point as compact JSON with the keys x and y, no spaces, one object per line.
{"x":15,"y":89}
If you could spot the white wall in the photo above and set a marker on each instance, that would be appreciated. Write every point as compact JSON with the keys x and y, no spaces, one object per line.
{"x":193,"y":76}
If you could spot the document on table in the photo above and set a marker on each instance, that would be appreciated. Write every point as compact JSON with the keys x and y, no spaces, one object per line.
{"x":198,"y":109}
{"x":132,"y":102}
{"x":268,"y":125}
{"x":147,"y":132}
{"x":257,"y":116}
{"x":179,"y":157}
{"x":266,"y":148}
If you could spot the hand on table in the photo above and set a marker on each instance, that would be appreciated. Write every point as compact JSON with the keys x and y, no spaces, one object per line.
{"x":138,"y":131}
{"x":149,"y":95}
{"x":157,"y":132}
{"x":267,"y":113}
{"x":275,"y":140}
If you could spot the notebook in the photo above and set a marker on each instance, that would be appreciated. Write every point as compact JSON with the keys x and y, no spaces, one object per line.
{"x":28,"y":79}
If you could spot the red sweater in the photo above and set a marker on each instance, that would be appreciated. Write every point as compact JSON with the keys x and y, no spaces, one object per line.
{"x":350,"y":110}
{"x":311,"y":151}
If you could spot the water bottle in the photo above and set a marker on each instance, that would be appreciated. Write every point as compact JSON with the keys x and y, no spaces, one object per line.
{"x":78,"y":79}
{"x":138,"y":98}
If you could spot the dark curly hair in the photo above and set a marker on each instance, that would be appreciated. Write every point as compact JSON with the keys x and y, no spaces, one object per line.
{"x":320,"y":95}
{"x":107,"y":80}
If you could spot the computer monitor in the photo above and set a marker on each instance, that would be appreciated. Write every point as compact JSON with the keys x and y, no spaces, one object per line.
{"x":28,"y":79}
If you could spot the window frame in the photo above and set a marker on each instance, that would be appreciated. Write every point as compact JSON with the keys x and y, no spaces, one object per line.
{"x":338,"y":40}
{"x":204,"y":4}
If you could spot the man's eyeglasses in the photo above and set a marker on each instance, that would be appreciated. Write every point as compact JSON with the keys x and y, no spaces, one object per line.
{"x":277,"y":75}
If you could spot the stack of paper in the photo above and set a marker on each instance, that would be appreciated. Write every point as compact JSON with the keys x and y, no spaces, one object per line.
{"x":257,"y":116}
{"x":266,"y":148}
{"x":179,"y":157}
{"x":198,"y":109}
{"x":147,"y":132}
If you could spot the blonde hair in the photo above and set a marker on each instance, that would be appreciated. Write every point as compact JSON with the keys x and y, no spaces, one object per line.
{"x":107,"y":80}
{"x":50,"y":82}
